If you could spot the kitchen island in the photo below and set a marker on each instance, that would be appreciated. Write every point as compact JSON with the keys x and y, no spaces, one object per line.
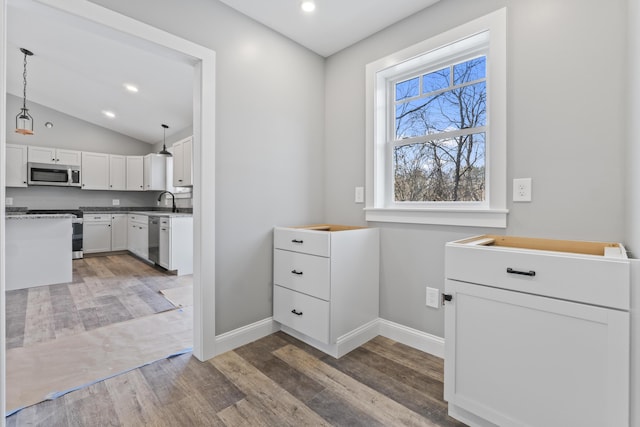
{"x":38,"y":250}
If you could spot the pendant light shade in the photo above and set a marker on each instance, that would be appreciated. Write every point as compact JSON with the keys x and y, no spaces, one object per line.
{"x":24,"y":121}
{"x":164,"y":151}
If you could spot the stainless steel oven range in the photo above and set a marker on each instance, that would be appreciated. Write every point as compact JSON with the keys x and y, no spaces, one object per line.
{"x":77,"y":224}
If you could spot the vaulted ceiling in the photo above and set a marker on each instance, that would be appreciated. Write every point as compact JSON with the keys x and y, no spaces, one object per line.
{"x":80,"y":69}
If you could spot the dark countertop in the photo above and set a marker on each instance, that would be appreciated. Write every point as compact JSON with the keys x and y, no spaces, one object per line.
{"x":11,"y":210}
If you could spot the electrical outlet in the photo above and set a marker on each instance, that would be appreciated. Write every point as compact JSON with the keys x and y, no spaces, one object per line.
{"x":115,"y":202}
{"x":8,"y":201}
{"x":433,"y":297}
{"x":522,"y":190}
{"x":359,"y":194}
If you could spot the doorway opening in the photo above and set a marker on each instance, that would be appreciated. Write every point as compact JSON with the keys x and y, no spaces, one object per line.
{"x":203,"y":61}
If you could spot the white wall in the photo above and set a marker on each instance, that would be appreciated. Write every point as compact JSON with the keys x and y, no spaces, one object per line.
{"x":269,"y":160}
{"x":566,"y":99}
{"x":633,"y":199}
{"x":69,"y":132}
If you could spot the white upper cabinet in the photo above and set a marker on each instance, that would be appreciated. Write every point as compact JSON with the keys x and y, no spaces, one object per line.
{"x":155,"y":172}
{"x":135,"y":174}
{"x":182,"y":163}
{"x":54,"y":156}
{"x":68,"y":157}
{"x":117,"y":172}
{"x":95,"y":171}
{"x":16,"y":165}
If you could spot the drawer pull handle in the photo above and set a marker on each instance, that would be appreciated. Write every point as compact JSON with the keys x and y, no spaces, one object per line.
{"x":297,"y":241}
{"x":297,"y":313}
{"x":530,"y":273}
{"x":299,"y":273}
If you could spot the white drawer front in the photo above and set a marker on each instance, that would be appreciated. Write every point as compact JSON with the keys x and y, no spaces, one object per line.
{"x":139,"y":218}
{"x":581,"y":278}
{"x":305,"y":314}
{"x":304,"y":273}
{"x":305,"y":241}
{"x":88,"y":217}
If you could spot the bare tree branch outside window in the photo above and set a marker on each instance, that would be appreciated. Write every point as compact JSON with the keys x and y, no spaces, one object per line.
{"x":439,"y":145}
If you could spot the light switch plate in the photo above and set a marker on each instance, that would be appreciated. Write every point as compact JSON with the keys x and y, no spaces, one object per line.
{"x":8,"y":201}
{"x":433,"y":299}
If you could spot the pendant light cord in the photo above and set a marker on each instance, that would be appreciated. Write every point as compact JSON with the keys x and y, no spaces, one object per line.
{"x":24,"y":81}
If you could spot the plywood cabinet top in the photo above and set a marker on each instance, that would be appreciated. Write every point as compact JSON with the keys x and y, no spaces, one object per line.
{"x":604,"y":249}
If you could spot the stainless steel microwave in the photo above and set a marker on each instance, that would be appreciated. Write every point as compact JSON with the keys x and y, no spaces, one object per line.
{"x":53,"y":174}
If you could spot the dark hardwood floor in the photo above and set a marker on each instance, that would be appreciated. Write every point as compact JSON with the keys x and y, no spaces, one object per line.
{"x":275,"y":381}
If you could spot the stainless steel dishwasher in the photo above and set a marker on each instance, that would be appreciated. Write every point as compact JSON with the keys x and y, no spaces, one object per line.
{"x":154,"y":239}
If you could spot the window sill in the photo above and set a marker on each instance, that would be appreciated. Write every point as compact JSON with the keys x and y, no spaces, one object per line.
{"x":493,"y":218}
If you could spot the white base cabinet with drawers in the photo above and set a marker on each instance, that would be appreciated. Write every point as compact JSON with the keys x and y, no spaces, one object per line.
{"x":103,"y":232}
{"x":537,"y":332}
{"x":326,"y":285}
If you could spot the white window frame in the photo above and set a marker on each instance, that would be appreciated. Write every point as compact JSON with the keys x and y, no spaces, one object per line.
{"x":486,"y":35}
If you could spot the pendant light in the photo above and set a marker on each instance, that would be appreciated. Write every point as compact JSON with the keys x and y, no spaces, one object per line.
{"x":164,"y":151}
{"x":24,"y":121}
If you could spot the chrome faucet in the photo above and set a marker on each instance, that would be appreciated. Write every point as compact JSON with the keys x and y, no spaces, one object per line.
{"x":173,"y":200}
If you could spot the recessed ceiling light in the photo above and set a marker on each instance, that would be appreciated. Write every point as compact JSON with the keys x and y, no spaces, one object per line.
{"x":109,"y":114}
{"x":131,"y":88}
{"x":308,"y":6}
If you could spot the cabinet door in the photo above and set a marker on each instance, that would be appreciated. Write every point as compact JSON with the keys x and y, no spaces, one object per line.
{"x":16,"y":166}
{"x":117,"y":172}
{"x":182,"y":163}
{"x":132,"y":237}
{"x":68,"y":157}
{"x":165,"y":245}
{"x":178,"y":164}
{"x":135,"y":174}
{"x":187,"y":158}
{"x":95,"y":171}
{"x":119,"y":232}
{"x":155,"y":172}
{"x":41,"y":155}
{"x":96,"y":237}
{"x":519,"y":359}
{"x":144,"y":240}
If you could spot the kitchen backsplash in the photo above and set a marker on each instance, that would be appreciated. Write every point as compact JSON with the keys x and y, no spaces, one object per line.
{"x":73,"y":198}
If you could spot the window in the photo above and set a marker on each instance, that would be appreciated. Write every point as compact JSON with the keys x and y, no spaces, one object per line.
{"x":436,"y":129}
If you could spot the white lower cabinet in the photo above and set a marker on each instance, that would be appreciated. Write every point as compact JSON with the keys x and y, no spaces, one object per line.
{"x":176,"y":244}
{"x":326,"y":285}
{"x":96,"y":234}
{"x":138,"y":235}
{"x":537,"y":332}
{"x":119,"y":231}
{"x":103,"y":232}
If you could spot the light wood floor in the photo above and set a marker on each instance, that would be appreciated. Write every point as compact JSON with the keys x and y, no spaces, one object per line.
{"x":105,"y":290}
{"x":275,"y":381}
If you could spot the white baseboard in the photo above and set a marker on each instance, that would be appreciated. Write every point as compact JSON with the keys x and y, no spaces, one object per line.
{"x":245,"y":335}
{"x":412,"y":337}
{"x":344,"y":344}
{"x":403,"y":334}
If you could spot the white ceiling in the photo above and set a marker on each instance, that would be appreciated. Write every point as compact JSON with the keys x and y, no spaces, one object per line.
{"x":334,"y":25}
{"x":79,"y":68}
